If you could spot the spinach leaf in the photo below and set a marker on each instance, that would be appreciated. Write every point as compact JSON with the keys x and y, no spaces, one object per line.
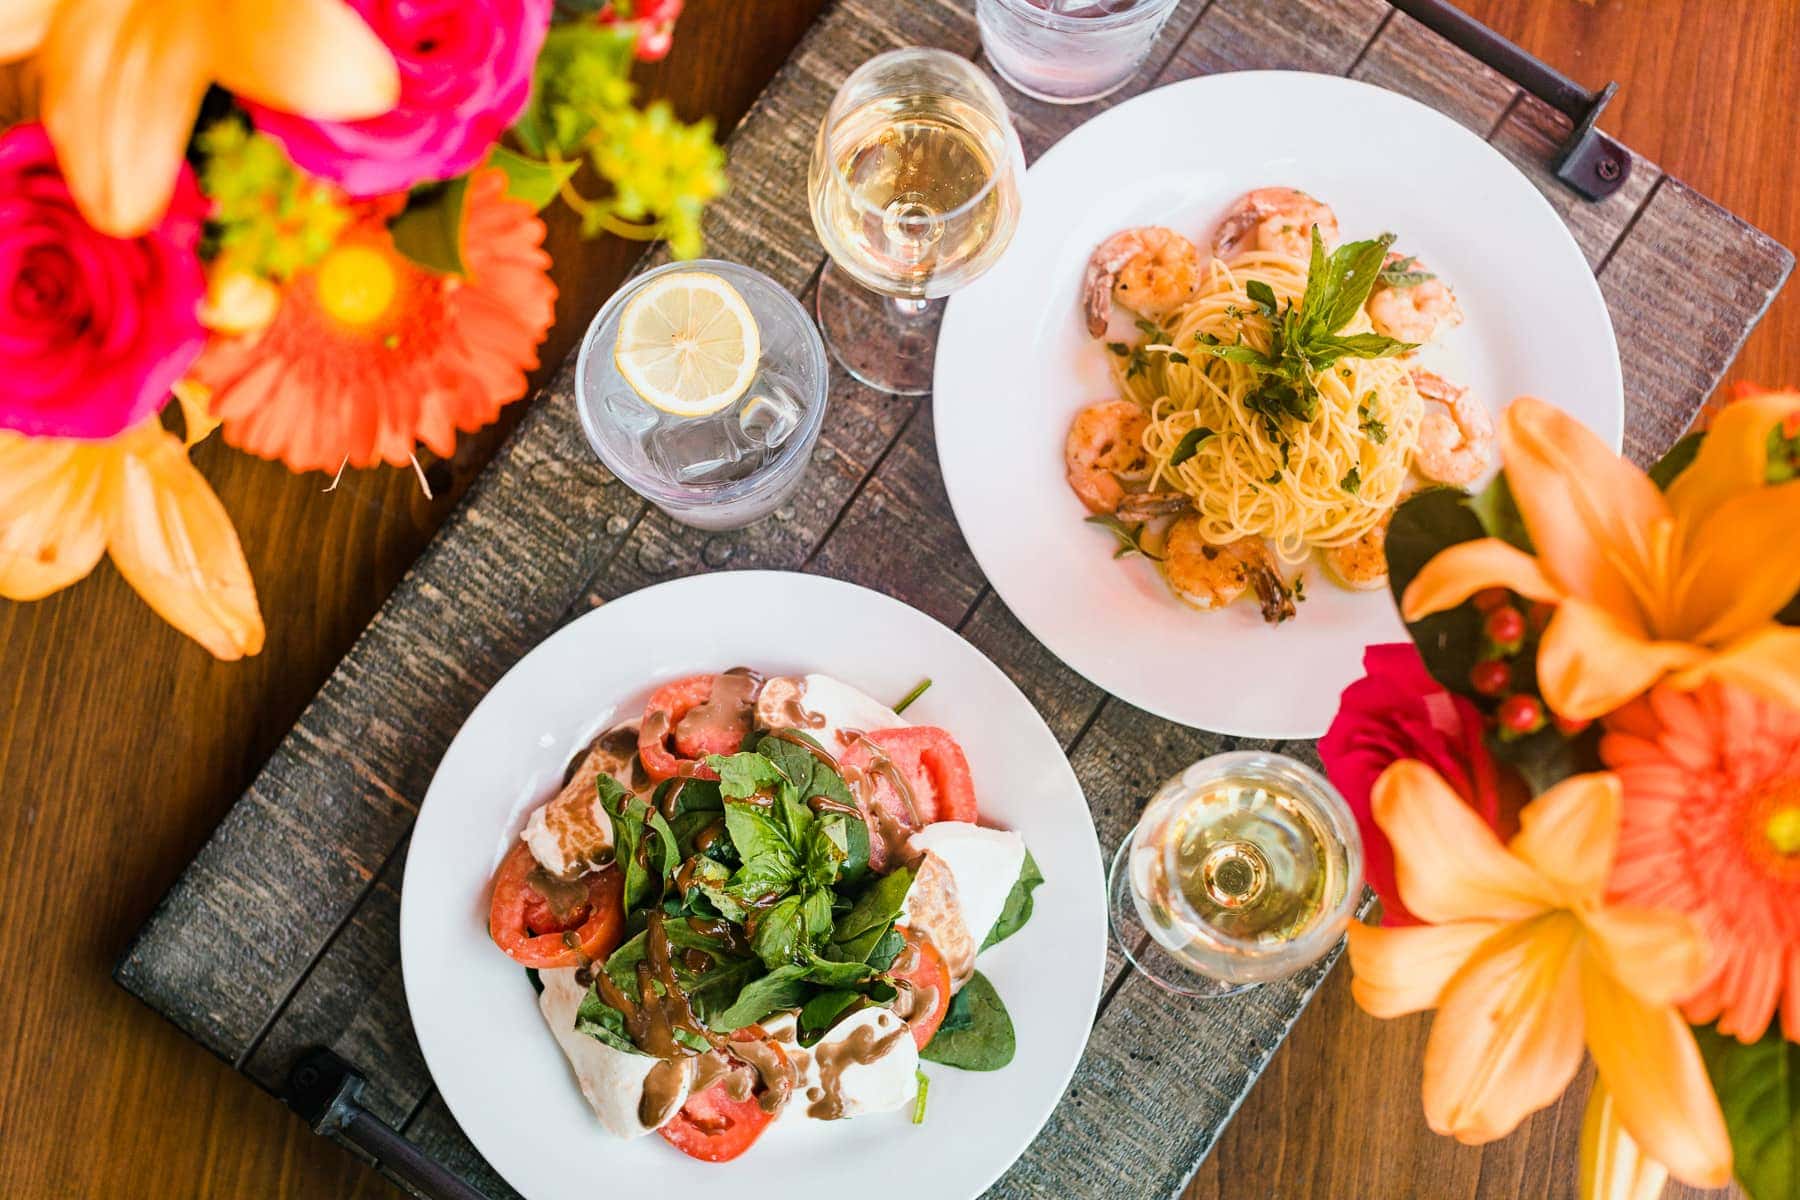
{"x":638,"y":829}
{"x":829,"y":973}
{"x":977,"y":1034}
{"x":745,"y":774}
{"x":537,"y":984}
{"x":876,"y":907}
{"x":720,"y":985}
{"x":823,"y":1010}
{"x":604,"y":1023}
{"x":784,"y":987}
{"x":887,"y":949}
{"x":688,"y":827}
{"x":1017,"y":909}
{"x":691,"y":795}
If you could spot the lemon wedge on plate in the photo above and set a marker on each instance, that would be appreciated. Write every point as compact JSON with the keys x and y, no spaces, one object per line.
{"x":688,"y":343}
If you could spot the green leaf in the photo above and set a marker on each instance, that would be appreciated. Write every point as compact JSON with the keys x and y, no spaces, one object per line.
{"x":604,"y":1023}
{"x":744,"y":775}
{"x":784,"y":987}
{"x":876,"y":907}
{"x":1189,"y":445}
{"x":1499,"y":514}
{"x":822,"y":1011}
{"x":825,"y":848}
{"x":691,"y":795}
{"x":537,"y":983}
{"x":1327,"y":348}
{"x":977,"y":1033}
{"x":1262,"y":295}
{"x":712,"y":879}
{"x":1423,"y":525}
{"x":886,"y":949}
{"x":779,"y":931}
{"x":1404,"y":273}
{"x":1354,"y":267}
{"x":428,"y":231}
{"x":1678,"y":459}
{"x":529,"y":179}
{"x":756,"y":834}
{"x":1759,"y":1091}
{"x":1250,"y":356}
{"x":1352,"y":480}
{"x":582,"y":71}
{"x":1017,"y":909}
{"x":831,"y":972}
{"x":1128,"y":535}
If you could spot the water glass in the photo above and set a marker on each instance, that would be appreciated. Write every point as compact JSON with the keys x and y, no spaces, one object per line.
{"x":1069,"y":51}
{"x":737,"y":465}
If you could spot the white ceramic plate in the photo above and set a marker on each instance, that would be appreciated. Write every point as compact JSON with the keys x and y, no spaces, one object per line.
{"x":1014,"y":364}
{"x":474,"y":1011}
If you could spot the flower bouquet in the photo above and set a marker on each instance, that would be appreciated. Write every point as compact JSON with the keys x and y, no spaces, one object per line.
{"x":1580,"y":794}
{"x":313,"y":224}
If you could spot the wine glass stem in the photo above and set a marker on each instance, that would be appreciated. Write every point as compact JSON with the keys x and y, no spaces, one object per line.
{"x":910,"y":307}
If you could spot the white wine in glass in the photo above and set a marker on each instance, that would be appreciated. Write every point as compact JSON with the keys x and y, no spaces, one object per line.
{"x":1245,"y":868}
{"x":914,"y":185}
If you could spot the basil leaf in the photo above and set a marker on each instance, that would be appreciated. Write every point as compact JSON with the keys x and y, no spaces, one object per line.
{"x":719,"y":986}
{"x":628,"y":836}
{"x":784,"y":987}
{"x":778,"y":931}
{"x":745,"y":774}
{"x":1261,"y":295}
{"x":977,"y":1033}
{"x":691,"y":795}
{"x":1327,"y":348}
{"x":876,"y":907}
{"x":1189,"y":445}
{"x":1248,"y":355}
{"x":832,"y":973}
{"x":1017,"y":909}
{"x":755,"y":833}
{"x":825,"y":849}
{"x":1354,"y":267}
{"x":763,"y":879}
{"x":712,"y":880}
{"x":604,"y":1023}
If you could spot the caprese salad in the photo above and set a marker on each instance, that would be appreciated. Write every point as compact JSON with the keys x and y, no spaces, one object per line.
{"x":763,"y":900}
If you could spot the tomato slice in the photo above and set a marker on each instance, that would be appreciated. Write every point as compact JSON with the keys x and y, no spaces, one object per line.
{"x":936,"y":773}
{"x":713,"y":1127}
{"x":927,"y":972}
{"x":528,"y":926}
{"x":667,"y":749}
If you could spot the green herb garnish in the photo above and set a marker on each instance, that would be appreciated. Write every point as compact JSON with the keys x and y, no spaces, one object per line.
{"x":1404,"y":273}
{"x":1352,"y":481}
{"x":1130,"y":536}
{"x":906,"y":700}
{"x":1189,"y":445}
{"x":1372,"y":428}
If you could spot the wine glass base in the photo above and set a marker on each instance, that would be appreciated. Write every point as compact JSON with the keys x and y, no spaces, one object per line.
{"x":1142,"y":951}
{"x":888,"y":344}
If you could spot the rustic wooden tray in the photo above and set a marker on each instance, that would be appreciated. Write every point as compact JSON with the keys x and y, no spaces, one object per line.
{"x":282,"y":934}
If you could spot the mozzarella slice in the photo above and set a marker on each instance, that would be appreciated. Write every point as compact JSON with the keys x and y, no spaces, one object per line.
{"x":985,"y":864}
{"x":831,"y":1081}
{"x":824,"y":707}
{"x":612,"y":1080}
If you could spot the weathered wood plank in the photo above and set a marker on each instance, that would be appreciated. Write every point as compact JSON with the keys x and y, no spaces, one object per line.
{"x":1066,"y":701}
{"x":436,"y":1132}
{"x":1289,"y":35}
{"x":1685,"y":286}
{"x":1408,"y":58}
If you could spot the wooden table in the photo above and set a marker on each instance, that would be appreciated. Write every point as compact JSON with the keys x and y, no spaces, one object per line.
{"x":97,"y":1095}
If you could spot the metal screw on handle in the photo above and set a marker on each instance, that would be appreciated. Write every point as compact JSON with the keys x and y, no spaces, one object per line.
{"x":1589,"y":162}
{"x":326,"y":1091}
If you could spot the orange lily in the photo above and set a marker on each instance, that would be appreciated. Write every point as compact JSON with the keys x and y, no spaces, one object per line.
{"x":64,"y":502}
{"x":1646,"y":583}
{"x":1524,"y":962}
{"x":122,"y":81}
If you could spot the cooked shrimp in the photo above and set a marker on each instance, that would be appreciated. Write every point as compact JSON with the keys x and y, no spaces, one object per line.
{"x":1362,"y":565}
{"x":1147,"y":506}
{"x":1277,"y":219}
{"x":1209,"y":576}
{"x":1149,"y":270}
{"x":1104,"y":439}
{"x":1414,"y":313}
{"x":1456,"y":434}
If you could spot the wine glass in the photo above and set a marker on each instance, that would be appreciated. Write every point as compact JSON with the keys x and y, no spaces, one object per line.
{"x":1246,"y":867}
{"x":915,"y":192}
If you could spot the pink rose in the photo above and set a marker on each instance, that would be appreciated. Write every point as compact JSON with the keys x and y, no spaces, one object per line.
{"x":1399,"y":711}
{"x":93,"y":329}
{"x":465,"y":74}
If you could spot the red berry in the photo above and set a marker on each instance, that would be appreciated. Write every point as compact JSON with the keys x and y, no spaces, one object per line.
{"x":1541,"y":614}
{"x":1488,"y":599}
{"x":1520,"y":714}
{"x":1570,"y":726}
{"x":1490,"y":677}
{"x":1505,"y":626}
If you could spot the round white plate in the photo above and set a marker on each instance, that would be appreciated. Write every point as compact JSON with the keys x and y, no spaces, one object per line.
{"x":1014,"y":363}
{"x":474,"y":1011}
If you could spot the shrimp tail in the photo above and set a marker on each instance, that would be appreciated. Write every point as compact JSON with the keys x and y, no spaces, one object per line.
{"x":1273,"y":594}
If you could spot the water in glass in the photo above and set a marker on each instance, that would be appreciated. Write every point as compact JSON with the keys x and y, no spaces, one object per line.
{"x":1069,"y":51}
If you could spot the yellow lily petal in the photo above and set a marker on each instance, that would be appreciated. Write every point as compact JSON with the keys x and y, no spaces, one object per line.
{"x":1570,"y":832}
{"x":1507,"y":1038}
{"x":1740,"y":565}
{"x":1612,"y":1165}
{"x":1649,"y":1063}
{"x":1589,"y":663}
{"x":1661,"y":956}
{"x":22,"y":26}
{"x":316,"y":58}
{"x":1459,"y":571}
{"x":1403,"y":969}
{"x":1589,"y":511}
{"x":173,"y":541}
{"x":122,"y":83}
{"x":1734,"y":456}
{"x":1767,"y":660}
{"x":51,"y":530}
{"x":1448,"y":864}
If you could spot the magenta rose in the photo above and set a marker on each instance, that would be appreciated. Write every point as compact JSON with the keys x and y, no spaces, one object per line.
{"x":93,"y":329}
{"x":465,"y":74}
{"x":1397,"y":710}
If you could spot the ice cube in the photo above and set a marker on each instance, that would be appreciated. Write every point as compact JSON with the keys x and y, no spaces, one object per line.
{"x":697,"y":450}
{"x":770,"y":417}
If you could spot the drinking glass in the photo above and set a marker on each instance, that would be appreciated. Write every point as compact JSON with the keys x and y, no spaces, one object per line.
{"x":1246,"y":867}
{"x":736,"y":465}
{"x":914,"y":186}
{"x":1068,"y":51}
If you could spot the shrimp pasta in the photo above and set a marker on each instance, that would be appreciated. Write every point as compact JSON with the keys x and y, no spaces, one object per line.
{"x":1270,"y":407}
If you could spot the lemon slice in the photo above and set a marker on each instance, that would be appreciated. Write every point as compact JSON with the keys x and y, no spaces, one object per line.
{"x":688,"y":344}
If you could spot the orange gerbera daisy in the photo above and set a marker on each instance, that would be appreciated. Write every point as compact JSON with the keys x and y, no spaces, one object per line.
{"x":1712,"y":827}
{"x":371,"y":354}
